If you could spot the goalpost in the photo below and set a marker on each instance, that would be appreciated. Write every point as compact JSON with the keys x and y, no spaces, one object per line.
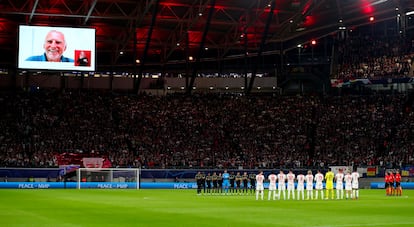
{"x":112,"y":178}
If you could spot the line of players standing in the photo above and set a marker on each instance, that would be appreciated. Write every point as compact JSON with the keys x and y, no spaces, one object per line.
{"x":393,"y":183}
{"x":243,"y":184}
{"x":226,"y":183}
{"x":351,"y":181}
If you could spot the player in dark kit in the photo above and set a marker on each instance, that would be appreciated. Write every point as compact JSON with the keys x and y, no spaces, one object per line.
{"x":199,"y":180}
{"x":214,"y":179}
{"x":220,"y":183}
{"x":203,"y":182}
{"x":208,"y":182}
{"x":239,"y":180}
{"x":232,"y":178}
{"x":245,"y":179}
{"x":252,"y":178}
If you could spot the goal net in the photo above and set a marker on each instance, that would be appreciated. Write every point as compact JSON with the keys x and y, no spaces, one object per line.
{"x":108,"y":178}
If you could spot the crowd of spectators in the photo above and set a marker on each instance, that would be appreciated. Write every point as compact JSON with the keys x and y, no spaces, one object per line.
{"x":206,"y":130}
{"x":365,"y":57}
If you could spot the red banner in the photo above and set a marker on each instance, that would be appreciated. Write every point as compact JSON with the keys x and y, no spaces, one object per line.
{"x":93,"y":162}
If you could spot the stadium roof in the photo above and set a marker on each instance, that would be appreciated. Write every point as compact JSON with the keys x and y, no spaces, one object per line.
{"x":166,"y":32}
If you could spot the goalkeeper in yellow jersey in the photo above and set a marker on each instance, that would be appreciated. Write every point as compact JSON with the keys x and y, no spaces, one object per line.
{"x":329,"y":177}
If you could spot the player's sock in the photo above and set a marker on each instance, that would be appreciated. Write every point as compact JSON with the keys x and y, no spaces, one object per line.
{"x":321,"y":194}
{"x":357,"y":194}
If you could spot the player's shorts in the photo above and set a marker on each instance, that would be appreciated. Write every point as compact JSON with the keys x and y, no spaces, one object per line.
{"x":300,"y":187}
{"x":397,"y":184}
{"x":309,"y":187}
{"x":329,"y":186}
{"x":348,"y":187}
{"x":281,"y":187}
{"x":272,"y":187}
{"x":259,"y":187}
{"x":355,"y":186}
{"x":226,"y":184}
{"x":291,"y":186}
{"x":339,"y":186}
{"x":387,"y":184}
{"x":318,"y":186}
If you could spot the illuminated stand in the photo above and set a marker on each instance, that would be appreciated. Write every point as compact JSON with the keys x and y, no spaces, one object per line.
{"x":108,"y":178}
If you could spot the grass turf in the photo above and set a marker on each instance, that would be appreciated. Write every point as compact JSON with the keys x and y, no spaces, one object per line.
{"x":102,"y":207}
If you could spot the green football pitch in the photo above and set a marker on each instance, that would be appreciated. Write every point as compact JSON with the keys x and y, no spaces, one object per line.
{"x":104,"y":207}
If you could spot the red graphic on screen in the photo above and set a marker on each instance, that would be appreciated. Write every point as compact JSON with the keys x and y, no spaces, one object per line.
{"x":82,"y":58}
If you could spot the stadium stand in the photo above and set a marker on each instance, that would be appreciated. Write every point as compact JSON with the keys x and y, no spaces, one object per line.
{"x":206,"y":130}
{"x":366,"y":57}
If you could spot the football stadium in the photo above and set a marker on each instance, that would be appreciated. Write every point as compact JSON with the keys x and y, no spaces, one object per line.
{"x":296,"y":113}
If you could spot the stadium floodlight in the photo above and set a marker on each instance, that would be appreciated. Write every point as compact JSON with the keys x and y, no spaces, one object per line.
{"x":409,"y":13}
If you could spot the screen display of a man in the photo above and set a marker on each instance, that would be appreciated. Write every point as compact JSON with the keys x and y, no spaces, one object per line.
{"x":54,"y":46}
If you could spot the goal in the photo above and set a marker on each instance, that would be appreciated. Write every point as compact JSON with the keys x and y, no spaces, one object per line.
{"x":111,"y":178}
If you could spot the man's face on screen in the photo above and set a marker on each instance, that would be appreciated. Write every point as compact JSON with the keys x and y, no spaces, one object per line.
{"x":54,"y":46}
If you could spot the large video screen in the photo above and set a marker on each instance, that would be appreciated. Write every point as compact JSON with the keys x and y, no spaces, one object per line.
{"x":56,"y":48}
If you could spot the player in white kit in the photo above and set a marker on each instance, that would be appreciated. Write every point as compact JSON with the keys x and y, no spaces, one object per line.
{"x":339,"y":179}
{"x":348,"y":185}
{"x":259,"y":185}
{"x":319,"y":184}
{"x":309,"y":185}
{"x":290,"y":184}
{"x":281,"y":186}
{"x":301,"y":186}
{"x":355,"y":184}
{"x":272,"y":186}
